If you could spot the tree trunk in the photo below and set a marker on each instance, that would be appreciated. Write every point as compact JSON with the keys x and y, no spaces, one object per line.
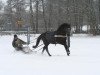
{"x":37,"y":3}
{"x":44,"y":17}
{"x":31,"y":16}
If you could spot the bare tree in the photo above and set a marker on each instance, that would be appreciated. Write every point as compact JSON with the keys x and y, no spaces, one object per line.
{"x":31,"y":16}
{"x":37,"y":4}
{"x":9,"y":15}
{"x":1,"y":5}
{"x":44,"y":17}
{"x":50,"y":7}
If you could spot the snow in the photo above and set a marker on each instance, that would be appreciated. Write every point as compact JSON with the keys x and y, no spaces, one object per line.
{"x":84,"y":58}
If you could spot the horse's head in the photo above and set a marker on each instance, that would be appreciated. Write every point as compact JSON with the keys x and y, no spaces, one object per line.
{"x":64,"y":29}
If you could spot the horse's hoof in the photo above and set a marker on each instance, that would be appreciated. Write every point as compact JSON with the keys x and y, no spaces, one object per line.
{"x":50,"y":55}
{"x":68,"y":53}
{"x":34,"y":46}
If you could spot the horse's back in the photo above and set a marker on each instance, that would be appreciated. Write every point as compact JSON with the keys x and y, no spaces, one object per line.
{"x":50,"y":36}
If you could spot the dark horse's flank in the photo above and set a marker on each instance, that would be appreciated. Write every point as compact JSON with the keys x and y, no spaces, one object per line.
{"x":56,"y":37}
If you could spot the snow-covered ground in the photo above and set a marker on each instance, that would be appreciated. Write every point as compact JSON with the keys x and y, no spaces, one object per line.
{"x":84,"y":58}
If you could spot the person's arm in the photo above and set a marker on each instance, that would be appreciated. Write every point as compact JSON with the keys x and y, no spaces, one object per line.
{"x":23,"y":42}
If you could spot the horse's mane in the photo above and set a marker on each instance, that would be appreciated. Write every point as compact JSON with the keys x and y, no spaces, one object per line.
{"x":62,"y":27}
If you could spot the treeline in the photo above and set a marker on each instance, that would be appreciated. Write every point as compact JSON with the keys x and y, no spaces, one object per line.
{"x":47,"y":15}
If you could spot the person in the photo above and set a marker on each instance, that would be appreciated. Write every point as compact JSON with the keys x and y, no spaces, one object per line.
{"x":18,"y":43}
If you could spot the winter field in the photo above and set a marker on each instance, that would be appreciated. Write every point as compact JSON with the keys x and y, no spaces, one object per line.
{"x":84,"y":58}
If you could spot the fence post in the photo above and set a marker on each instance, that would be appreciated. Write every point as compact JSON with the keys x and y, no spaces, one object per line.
{"x":28,"y":35}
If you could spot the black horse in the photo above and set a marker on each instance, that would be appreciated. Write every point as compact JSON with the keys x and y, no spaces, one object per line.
{"x":55,"y":37}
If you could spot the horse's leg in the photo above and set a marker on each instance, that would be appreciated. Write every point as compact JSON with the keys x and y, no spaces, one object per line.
{"x":48,"y":51}
{"x":67,"y":49}
{"x":43,"y":49}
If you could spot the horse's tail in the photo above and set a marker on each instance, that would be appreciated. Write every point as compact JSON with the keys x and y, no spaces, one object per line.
{"x":38,"y":41}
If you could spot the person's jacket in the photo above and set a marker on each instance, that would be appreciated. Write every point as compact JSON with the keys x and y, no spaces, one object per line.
{"x":18,"y":43}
